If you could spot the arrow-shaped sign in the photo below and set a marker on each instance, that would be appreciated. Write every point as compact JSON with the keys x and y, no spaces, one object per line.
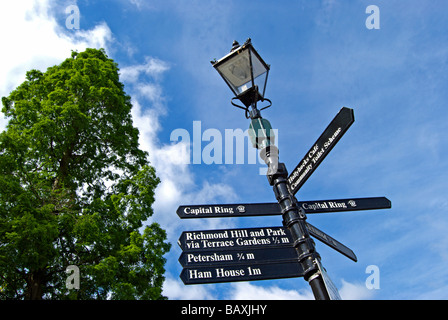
{"x":225,"y":240}
{"x":246,"y":272}
{"x":228,"y":210}
{"x":320,"y":149}
{"x":232,"y":257}
{"x":269,"y":209}
{"x":341,"y":205}
{"x":331,"y":242}
{"x":235,"y":239}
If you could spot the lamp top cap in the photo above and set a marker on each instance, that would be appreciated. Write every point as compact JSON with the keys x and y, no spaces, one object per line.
{"x":236,"y":45}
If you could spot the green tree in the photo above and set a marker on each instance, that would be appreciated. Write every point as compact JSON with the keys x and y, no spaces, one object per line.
{"x":75,"y":188}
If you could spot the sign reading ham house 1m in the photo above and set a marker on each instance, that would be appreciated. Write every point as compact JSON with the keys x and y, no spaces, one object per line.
{"x":228,"y":255}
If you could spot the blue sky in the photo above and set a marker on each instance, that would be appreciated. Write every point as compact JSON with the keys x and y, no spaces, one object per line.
{"x":322,"y":58}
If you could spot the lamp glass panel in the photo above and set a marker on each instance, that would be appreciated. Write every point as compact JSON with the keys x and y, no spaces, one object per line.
{"x":236,"y":71}
{"x":258,"y":67}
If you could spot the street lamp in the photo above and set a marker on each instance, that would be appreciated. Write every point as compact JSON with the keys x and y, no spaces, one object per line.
{"x":246,"y":73}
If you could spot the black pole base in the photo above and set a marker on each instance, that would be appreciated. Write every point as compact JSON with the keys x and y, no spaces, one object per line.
{"x":318,"y":287}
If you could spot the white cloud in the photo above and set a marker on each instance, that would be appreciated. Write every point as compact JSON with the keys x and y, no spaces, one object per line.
{"x":153,"y":67}
{"x":153,"y":93}
{"x":176,"y":290}
{"x":98,"y":37}
{"x":355,"y":291}
{"x":171,"y":160}
{"x":137,"y":3}
{"x":248,"y":291}
{"x":32,"y":39}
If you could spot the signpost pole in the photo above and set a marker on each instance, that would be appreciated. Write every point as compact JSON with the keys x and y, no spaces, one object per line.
{"x":246,"y":73}
{"x":293,"y":216}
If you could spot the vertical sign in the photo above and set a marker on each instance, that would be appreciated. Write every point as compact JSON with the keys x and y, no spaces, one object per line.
{"x":329,"y":285}
{"x":320,"y":149}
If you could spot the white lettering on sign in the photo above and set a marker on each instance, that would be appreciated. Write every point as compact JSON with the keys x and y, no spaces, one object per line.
{"x":311,"y":159}
{"x":225,"y":273}
{"x":221,"y":272}
{"x":252,"y":242}
{"x":236,"y":237}
{"x":204,"y":235}
{"x":335,"y":205}
{"x":278,"y":232}
{"x":329,"y":205}
{"x":315,"y":206}
{"x":331,"y":139}
{"x":322,"y":235}
{"x":198,"y":257}
{"x":208,"y":210}
{"x":195,"y":274}
{"x":217,"y":244}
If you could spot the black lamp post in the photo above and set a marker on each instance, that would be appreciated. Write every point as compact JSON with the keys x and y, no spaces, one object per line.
{"x":246,"y":73}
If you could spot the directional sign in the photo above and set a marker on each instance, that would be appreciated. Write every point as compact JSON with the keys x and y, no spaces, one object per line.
{"x":228,"y":210}
{"x":232,"y":257}
{"x":329,"y":285}
{"x":208,"y":242}
{"x":351,"y":204}
{"x":331,"y":242}
{"x":270,"y":209}
{"x":247,"y":272}
{"x":320,"y":149}
{"x":235,"y":239}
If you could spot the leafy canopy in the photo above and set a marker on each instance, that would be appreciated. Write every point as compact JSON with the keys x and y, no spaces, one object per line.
{"x":75,"y":188}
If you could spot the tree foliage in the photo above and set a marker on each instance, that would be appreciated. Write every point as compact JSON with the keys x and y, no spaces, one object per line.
{"x":75,"y":188}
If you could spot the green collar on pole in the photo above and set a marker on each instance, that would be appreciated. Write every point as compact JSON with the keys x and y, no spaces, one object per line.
{"x":260,"y":133}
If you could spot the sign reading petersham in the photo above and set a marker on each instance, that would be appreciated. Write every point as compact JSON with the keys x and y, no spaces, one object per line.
{"x":232,"y":257}
{"x":268,"y":209}
{"x":241,"y":273}
{"x":320,"y":149}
